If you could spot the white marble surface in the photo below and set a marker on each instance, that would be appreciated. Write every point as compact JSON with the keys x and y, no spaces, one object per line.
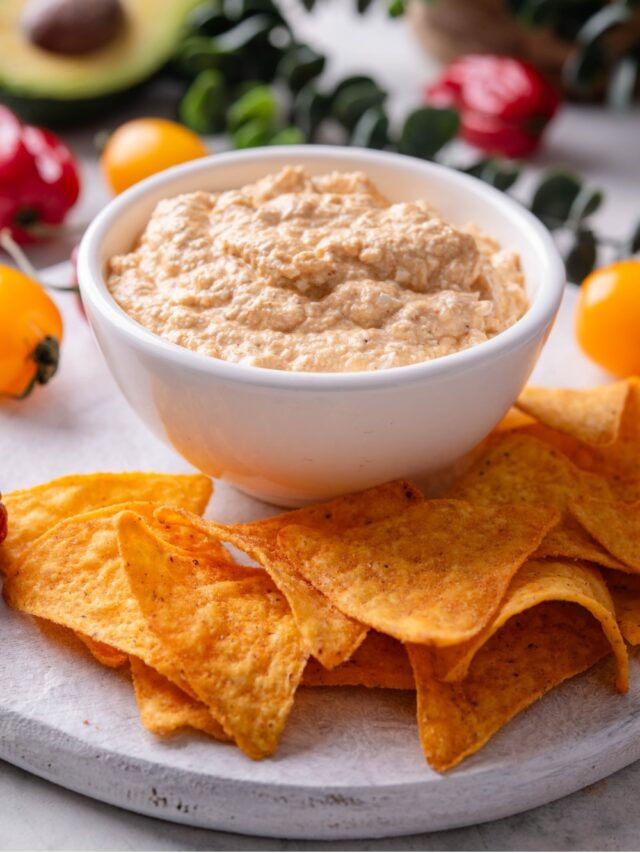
{"x":37,"y":815}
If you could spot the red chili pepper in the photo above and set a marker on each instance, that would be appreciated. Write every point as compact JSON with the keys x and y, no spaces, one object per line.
{"x":39,"y":180}
{"x":3,"y":521}
{"x":504,"y":104}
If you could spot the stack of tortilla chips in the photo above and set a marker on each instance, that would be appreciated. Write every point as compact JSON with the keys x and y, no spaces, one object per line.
{"x":526,"y":574}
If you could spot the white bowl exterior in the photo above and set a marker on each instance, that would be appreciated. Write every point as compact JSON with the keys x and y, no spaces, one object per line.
{"x":291,"y":437}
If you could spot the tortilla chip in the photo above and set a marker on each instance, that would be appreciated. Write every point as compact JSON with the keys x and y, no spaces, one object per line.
{"x":228,"y":626}
{"x":165,"y":709}
{"x":328,"y":634}
{"x":435,"y":573}
{"x":103,"y":653}
{"x":34,"y":511}
{"x":73,"y":575}
{"x":614,"y":524}
{"x":532,"y":653}
{"x":536,"y":582}
{"x":514,"y":419}
{"x":520,"y":469}
{"x":625,"y":592}
{"x":591,"y":415}
{"x":380,"y":661}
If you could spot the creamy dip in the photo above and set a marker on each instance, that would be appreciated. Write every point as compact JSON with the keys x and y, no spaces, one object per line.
{"x":315,"y":273}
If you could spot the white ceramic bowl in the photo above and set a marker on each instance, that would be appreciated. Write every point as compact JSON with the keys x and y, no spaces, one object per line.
{"x":289,"y":437}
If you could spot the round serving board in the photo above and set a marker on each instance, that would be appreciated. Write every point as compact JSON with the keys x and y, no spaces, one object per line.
{"x":349,"y":764}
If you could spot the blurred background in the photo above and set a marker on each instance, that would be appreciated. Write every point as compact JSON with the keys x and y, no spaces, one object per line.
{"x":556,"y":124}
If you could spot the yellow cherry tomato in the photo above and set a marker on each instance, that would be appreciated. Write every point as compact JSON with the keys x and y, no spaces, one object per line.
{"x":30,"y":334}
{"x":608,"y":318}
{"x":144,"y":146}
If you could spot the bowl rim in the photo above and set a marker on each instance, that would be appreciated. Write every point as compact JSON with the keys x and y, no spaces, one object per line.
{"x":539,"y":314}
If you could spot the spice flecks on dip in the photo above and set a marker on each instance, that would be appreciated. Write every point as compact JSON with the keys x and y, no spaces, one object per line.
{"x":315,"y":273}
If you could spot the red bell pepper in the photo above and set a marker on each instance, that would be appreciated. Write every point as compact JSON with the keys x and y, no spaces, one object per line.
{"x":504,"y":104}
{"x":39,"y":179}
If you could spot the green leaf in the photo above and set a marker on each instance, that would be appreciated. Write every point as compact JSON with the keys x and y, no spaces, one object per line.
{"x":204,"y":104}
{"x":555,"y":196}
{"x":310,"y":109}
{"x":363,"y":5}
{"x":585,"y":67}
{"x":501,"y":174}
{"x":253,"y":134}
{"x":351,"y":81}
{"x":372,"y":129}
{"x":586,"y":202}
{"x":258,"y":104}
{"x":299,"y":65}
{"x":196,"y":54}
{"x":288,"y":136}
{"x":246,"y":33}
{"x":208,"y":19}
{"x":427,"y":130}
{"x":611,"y":15}
{"x":622,"y":82}
{"x":581,"y":258}
{"x":396,"y":8}
{"x":309,"y":5}
{"x":238,"y":10}
{"x":354,"y":100}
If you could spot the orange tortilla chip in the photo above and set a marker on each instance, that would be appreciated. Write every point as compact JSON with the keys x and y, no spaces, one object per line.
{"x":591,"y":415}
{"x":73,"y":575}
{"x":625,"y":592}
{"x":103,"y":653}
{"x":614,"y":524}
{"x":514,"y":419}
{"x":535,"y":583}
{"x":229,"y":628}
{"x":380,"y":661}
{"x":329,"y":635}
{"x":165,"y":709}
{"x":534,"y":652}
{"x":435,"y":573}
{"x":34,"y":511}
{"x":520,"y":469}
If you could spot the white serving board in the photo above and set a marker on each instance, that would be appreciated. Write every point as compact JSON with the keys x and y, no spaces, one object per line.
{"x":349,"y":765}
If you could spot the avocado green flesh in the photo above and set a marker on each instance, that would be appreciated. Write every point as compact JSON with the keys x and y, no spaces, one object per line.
{"x":29,"y":74}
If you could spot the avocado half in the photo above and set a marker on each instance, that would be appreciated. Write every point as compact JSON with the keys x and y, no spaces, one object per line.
{"x":55,"y":89}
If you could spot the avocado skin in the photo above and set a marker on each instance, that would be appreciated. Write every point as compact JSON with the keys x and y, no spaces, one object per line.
{"x":72,"y":112}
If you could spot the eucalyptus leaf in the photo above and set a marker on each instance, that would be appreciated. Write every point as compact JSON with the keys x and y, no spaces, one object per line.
{"x":396,"y":8}
{"x":581,"y":258}
{"x":554,"y":197}
{"x":204,"y":104}
{"x":299,"y":65}
{"x":258,"y":104}
{"x":351,"y":81}
{"x":611,"y":15}
{"x":623,"y":81}
{"x":372,"y":129}
{"x":354,"y":100}
{"x":501,"y":174}
{"x":585,"y":67}
{"x":586,"y":202}
{"x":427,"y":130}
{"x":208,"y":19}
{"x":310,"y":109}
{"x":196,"y":54}
{"x":253,"y":134}
{"x":238,"y":10}
{"x":246,"y":33}
{"x":288,"y":136}
{"x":309,"y":5}
{"x":363,"y":5}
